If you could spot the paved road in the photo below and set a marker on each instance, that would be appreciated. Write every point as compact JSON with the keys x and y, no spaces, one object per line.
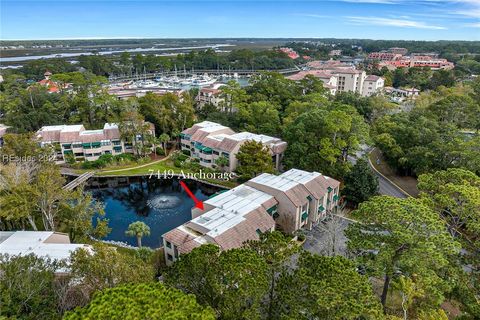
{"x":385,"y":186}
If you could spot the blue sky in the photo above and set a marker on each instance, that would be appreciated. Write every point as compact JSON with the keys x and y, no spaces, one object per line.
{"x":373,"y":19}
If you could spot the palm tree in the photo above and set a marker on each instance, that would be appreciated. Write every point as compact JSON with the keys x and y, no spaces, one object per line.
{"x":138,"y":229}
{"x":164,"y":138}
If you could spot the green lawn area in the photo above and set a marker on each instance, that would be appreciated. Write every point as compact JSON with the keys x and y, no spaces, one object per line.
{"x":161,"y":169}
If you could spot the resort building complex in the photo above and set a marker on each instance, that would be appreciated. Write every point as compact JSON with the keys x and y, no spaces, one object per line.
{"x":85,"y":144}
{"x":291,"y":201}
{"x":209,"y":141}
{"x":341,"y":77}
{"x":210,"y":95}
{"x":393,"y":60}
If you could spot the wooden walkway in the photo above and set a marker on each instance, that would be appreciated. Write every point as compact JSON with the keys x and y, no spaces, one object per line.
{"x":78,"y":180}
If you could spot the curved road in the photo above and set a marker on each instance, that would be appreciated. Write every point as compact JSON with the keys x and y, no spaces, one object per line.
{"x":385,"y":186}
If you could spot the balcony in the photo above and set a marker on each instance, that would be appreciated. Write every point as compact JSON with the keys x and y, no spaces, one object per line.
{"x":304,"y":216}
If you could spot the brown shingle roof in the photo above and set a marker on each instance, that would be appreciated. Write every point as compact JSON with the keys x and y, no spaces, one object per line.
{"x":112,"y":133}
{"x":177,"y":236}
{"x":69,"y":136}
{"x":246,"y":230}
{"x":228,"y":144}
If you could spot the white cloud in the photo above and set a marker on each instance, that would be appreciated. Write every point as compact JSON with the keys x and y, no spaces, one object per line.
{"x":311,"y":15}
{"x":402,"y":23}
{"x":473,"y":25}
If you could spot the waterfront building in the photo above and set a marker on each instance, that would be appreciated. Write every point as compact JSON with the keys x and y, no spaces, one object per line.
{"x":341,"y":77}
{"x":43,"y":244}
{"x":291,"y":201}
{"x":210,"y":95}
{"x":329,"y":80}
{"x":85,"y":144}
{"x":208,"y":141}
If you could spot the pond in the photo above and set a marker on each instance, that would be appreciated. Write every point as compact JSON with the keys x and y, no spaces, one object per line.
{"x":160,"y":203}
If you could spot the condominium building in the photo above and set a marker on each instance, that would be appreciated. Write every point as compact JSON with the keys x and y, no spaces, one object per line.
{"x":329,"y":80}
{"x":384,"y":56}
{"x":210,"y":95}
{"x":208,"y":141}
{"x":85,"y":144}
{"x":396,"y":50}
{"x":393,"y":60}
{"x":294,"y":200}
{"x":340,"y":77}
{"x":44,"y":244}
{"x":304,"y":197}
{"x":421,"y":62}
{"x":372,"y":84}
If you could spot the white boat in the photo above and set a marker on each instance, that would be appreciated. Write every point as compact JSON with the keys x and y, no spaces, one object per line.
{"x":147,"y":84}
{"x":204,"y":80}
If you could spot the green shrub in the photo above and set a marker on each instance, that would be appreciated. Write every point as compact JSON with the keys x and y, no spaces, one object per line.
{"x":182,"y":157}
{"x":159,"y":151}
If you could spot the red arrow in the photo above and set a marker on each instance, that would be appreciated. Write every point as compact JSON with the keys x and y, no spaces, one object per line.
{"x":198,"y":203}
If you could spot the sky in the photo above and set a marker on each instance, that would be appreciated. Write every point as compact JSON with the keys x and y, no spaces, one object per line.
{"x":372,"y":19}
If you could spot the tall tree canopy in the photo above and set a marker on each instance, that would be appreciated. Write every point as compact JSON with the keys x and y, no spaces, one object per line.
{"x":142,"y":301}
{"x":402,"y":237}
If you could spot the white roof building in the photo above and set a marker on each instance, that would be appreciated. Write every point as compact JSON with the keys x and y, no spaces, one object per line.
{"x":45,"y":244}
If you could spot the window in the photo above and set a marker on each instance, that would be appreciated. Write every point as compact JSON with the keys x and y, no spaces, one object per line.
{"x":168,"y":244}
{"x":258,"y":231}
{"x":116,"y":142}
{"x":169,"y":257}
{"x":216,"y":152}
{"x":304,"y":208}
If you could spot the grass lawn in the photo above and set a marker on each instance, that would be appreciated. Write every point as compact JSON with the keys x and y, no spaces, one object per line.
{"x":409,"y":184}
{"x":160,"y":169}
